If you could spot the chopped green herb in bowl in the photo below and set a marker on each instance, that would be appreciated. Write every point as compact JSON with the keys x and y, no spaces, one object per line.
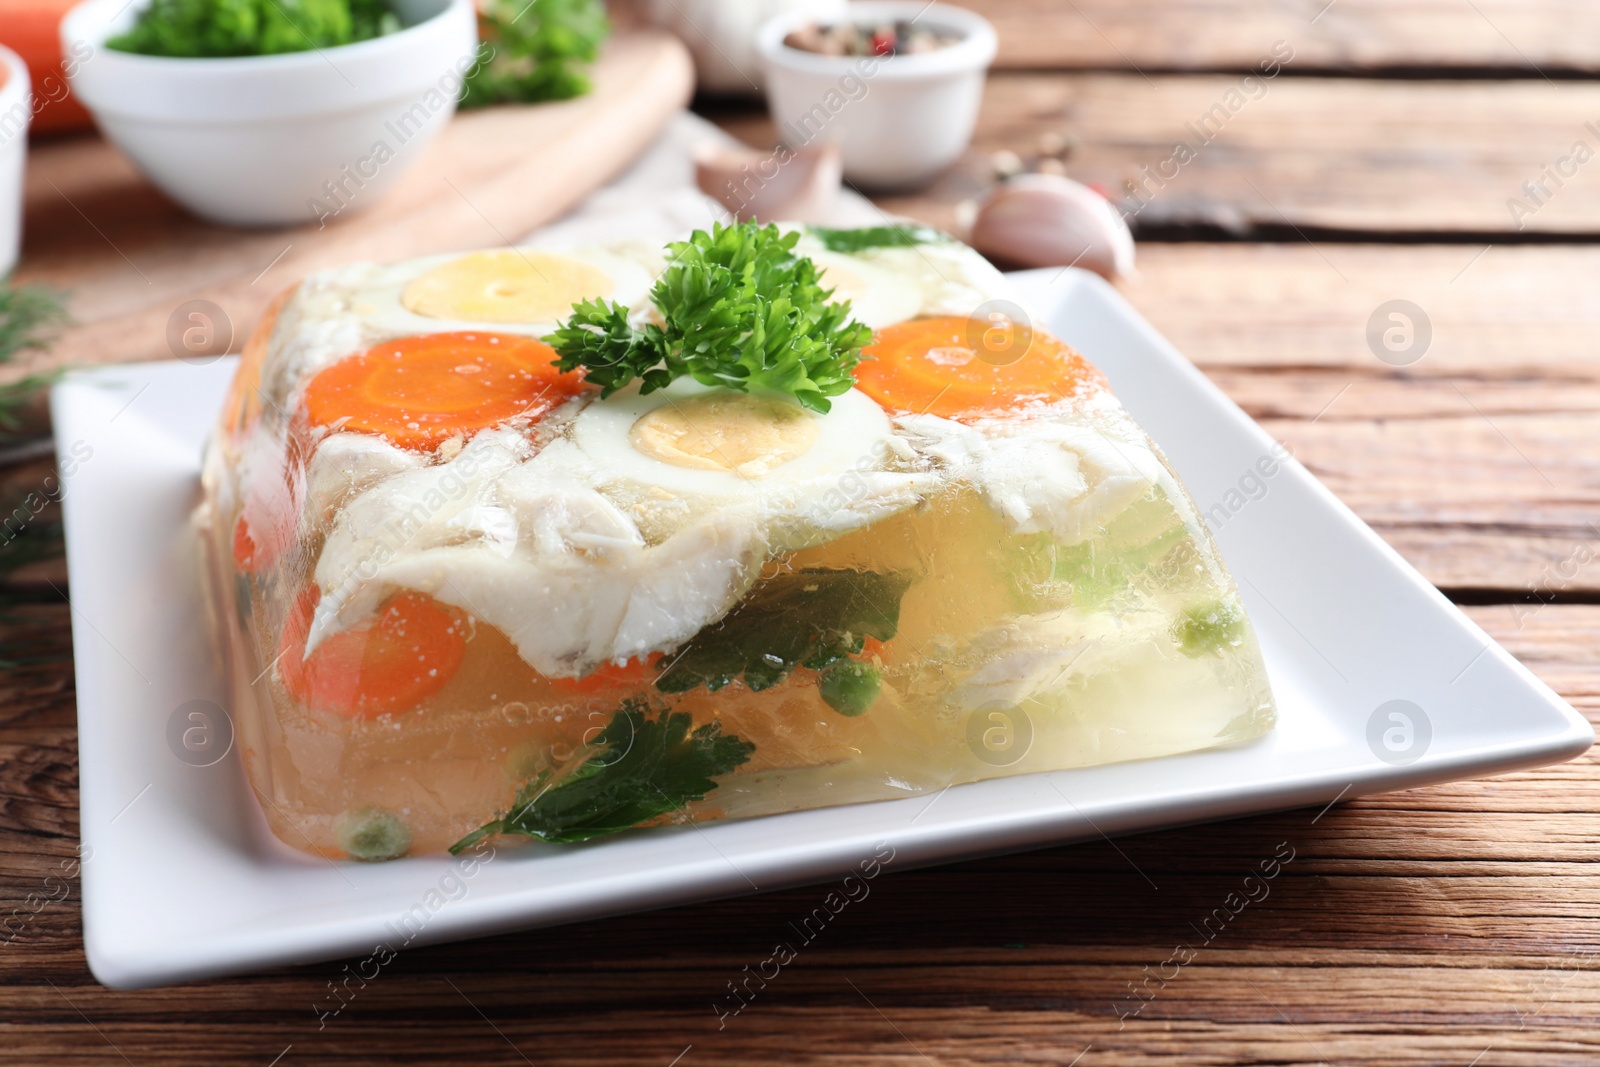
{"x":288,"y":112}
{"x":531,"y":50}
{"x":224,"y":28}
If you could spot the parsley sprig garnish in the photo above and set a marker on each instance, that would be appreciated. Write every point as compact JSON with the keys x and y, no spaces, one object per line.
{"x":739,"y":310}
{"x":808,"y":618}
{"x":639,"y":768}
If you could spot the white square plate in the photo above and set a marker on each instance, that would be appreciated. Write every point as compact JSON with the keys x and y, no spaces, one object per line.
{"x":184,"y":881}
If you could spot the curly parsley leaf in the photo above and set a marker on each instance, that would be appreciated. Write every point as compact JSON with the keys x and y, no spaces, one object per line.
{"x":535,"y":50}
{"x":739,"y":310}
{"x":638,"y":769}
{"x":864,"y":237}
{"x":599,"y":338}
{"x":811,"y":618}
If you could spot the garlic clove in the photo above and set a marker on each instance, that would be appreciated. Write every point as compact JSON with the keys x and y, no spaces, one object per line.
{"x":798,"y":186}
{"x":1046,"y":220}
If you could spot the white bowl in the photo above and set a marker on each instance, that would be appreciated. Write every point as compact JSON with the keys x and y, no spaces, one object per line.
{"x":16,"y":113}
{"x":281,"y":139}
{"x":721,"y":35}
{"x":899,"y":120}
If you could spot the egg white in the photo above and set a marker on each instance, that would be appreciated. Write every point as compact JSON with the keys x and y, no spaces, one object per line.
{"x":852,"y":433}
{"x":877,"y":297}
{"x":890,"y":285}
{"x":1054,"y":471}
{"x":377,"y":301}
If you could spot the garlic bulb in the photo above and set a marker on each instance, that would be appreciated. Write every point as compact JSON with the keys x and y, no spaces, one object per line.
{"x":800,"y":186}
{"x":1045,"y":220}
{"x":721,"y":35}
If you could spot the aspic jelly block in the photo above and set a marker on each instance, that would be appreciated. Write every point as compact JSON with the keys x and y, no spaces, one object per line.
{"x":561,"y":544}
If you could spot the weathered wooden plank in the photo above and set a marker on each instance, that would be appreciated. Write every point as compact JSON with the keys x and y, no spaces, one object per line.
{"x":1343,"y":155}
{"x":1362,"y":155}
{"x":1474,"y":479}
{"x":1519,"y":38}
{"x":874,"y":1006}
{"x":1475,"y":461}
{"x":1522,"y":319}
{"x":1515,"y":36}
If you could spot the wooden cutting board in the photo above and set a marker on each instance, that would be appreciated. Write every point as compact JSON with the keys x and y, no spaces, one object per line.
{"x":128,"y":257}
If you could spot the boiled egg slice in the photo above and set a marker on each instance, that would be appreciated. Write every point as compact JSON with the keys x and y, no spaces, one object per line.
{"x":887,"y":285}
{"x":877,"y":297}
{"x":512,"y":290}
{"x":688,"y":451}
{"x":702,"y":440}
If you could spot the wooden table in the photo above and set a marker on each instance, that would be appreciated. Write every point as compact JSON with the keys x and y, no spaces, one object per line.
{"x":1453,"y":925}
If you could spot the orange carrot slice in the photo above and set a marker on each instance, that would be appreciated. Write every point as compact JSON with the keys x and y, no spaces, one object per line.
{"x":634,"y":674}
{"x":421,"y":391}
{"x":961,"y":368}
{"x":389,"y":663}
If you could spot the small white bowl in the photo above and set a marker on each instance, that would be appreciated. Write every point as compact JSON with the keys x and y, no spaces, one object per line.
{"x":16,"y":113}
{"x":280,"y":139}
{"x":899,"y":120}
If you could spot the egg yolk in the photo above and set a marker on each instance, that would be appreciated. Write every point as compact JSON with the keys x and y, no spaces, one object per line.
{"x":745,"y":435}
{"x":505,"y":286}
{"x":961,"y":368}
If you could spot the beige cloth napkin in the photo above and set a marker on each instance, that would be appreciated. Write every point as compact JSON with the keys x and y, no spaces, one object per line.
{"x":657,"y":198}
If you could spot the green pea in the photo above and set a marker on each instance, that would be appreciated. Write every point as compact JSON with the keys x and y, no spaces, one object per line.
{"x":372,"y":834}
{"x":850,"y":686}
{"x":1209,"y":626}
